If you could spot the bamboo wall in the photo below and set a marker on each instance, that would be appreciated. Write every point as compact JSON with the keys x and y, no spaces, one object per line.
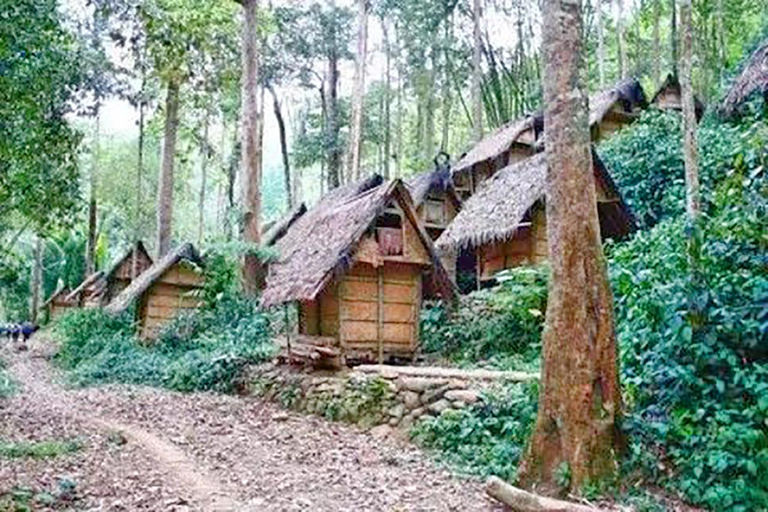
{"x":169,"y":296}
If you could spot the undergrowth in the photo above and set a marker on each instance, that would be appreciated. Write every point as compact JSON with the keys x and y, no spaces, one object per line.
{"x":38,"y":450}
{"x":7,"y":384}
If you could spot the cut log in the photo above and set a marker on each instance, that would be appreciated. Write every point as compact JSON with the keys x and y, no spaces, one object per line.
{"x":446,"y":373}
{"x":524,"y":501}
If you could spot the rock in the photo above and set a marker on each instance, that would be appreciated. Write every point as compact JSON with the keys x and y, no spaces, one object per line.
{"x":280,"y":416}
{"x":432,"y":395}
{"x":439,"y":406}
{"x":410,"y":400}
{"x":381,"y":431}
{"x":462,"y":395}
{"x":420,"y":384}
{"x":406,"y":422}
{"x":394,"y":421}
{"x":418,"y":412}
{"x":397,"y":411}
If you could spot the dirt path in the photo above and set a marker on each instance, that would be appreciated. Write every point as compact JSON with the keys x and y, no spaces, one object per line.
{"x":148,"y":449}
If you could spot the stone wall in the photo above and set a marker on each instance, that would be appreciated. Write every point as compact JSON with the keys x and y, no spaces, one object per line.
{"x":368,"y":400}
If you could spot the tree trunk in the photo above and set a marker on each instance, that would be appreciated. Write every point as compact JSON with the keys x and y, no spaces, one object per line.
{"x":283,"y":146}
{"x":429,"y":110}
{"x":204,"y":154}
{"x":334,"y":151}
{"x":447,"y":97}
{"x":673,"y":36}
{"x":722,"y":44}
{"x":387,"y":98}
{"x":139,"y":175}
{"x":522,"y":501}
{"x":690,"y":144}
{"x":358,"y":93}
{"x":579,"y":400}
{"x":600,"y":44}
{"x":232,"y":170}
{"x":477,"y":97}
{"x":253,"y":272}
{"x":165,"y":181}
{"x":620,"y":39}
{"x":37,"y":277}
{"x":656,"y":44}
{"x":90,"y":248}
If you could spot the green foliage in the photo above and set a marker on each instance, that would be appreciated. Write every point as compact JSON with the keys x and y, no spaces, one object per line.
{"x":38,"y":450}
{"x":486,"y":438}
{"x":696,"y":386}
{"x":206,"y":350}
{"x":363,"y":402}
{"x":499,"y":327}
{"x":7,"y":384}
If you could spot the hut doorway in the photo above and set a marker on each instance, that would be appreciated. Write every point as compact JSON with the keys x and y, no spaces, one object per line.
{"x":467,"y":276}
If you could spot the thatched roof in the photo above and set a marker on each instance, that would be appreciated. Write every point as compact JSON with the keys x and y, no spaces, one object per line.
{"x":438,"y":180}
{"x":280,"y":228}
{"x":138,"y":286}
{"x":88,"y":281}
{"x":322,"y":243}
{"x":500,"y":204}
{"x":61,"y":292}
{"x":628,"y":93}
{"x":754,"y":77}
{"x":671,"y":83}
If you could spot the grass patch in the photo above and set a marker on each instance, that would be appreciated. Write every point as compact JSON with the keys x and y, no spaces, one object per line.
{"x":38,"y":449}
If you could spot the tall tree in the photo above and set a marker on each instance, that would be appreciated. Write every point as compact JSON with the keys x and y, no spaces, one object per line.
{"x":205,"y":153}
{"x":354,"y":145}
{"x":690,"y":144}
{"x":620,"y":43}
{"x":477,"y":72}
{"x":37,"y":278}
{"x":600,"y":43}
{"x":673,"y":36}
{"x":90,"y":247}
{"x":165,"y":179}
{"x":656,"y":44}
{"x":253,"y":273}
{"x":387,"y":96}
{"x":278,"y":111}
{"x":579,"y":400}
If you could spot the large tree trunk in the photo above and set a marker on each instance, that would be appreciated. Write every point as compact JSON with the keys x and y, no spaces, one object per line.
{"x":477,"y":72}
{"x":579,"y":400}
{"x":253,"y":272}
{"x":620,"y":39}
{"x":387,"y":98}
{"x":90,"y":247}
{"x":37,"y":277}
{"x":139,"y":177}
{"x":722,"y":44}
{"x":447,"y":97}
{"x":690,"y":144}
{"x":358,"y":93}
{"x":673,"y":36}
{"x":165,"y":181}
{"x":204,"y":155}
{"x":429,"y":110}
{"x":656,"y":44}
{"x":232,"y":170}
{"x":600,"y":44}
{"x":332,"y":143}
{"x":283,"y":147}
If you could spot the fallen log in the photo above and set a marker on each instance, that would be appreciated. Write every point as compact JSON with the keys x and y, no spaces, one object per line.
{"x":524,"y":501}
{"x":445,"y":373}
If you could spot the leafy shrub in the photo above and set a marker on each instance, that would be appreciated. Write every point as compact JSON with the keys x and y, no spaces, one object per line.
{"x":38,"y":450}
{"x":500,"y":326}
{"x":486,"y":438}
{"x":205,"y":350}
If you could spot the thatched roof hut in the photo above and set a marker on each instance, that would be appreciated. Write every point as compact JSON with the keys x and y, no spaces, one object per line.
{"x":164,"y":290}
{"x":281,"y":226}
{"x":505,"y":224}
{"x":435,"y":199}
{"x":609,"y":110}
{"x":57,"y":303}
{"x":357,"y":265}
{"x":669,"y":97}
{"x":81,"y":295}
{"x":753,"y":78}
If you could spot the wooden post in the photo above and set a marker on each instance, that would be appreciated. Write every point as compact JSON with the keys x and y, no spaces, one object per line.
{"x":380,"y":322}
{"x":287,"y":332}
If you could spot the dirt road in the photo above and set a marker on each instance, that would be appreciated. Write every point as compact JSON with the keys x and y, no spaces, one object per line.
{"x":149,"y":449}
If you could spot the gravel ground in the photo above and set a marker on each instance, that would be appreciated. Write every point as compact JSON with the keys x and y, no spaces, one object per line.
{"x":149,"y":449}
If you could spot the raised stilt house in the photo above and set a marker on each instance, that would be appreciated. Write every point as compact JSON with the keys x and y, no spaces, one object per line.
{"x":435,"y":198}
{"x":357,"y":264}
{"x":168,"y":288}
{"x":504,"y":224}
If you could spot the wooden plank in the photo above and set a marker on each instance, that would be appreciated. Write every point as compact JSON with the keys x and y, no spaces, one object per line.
{"x":398,"y":333}
{"x":174,"y":301}
{"x":380,"y":313}
{"x":359,"y":331}
{"x":445,"y":373}
{"x":354,"y":289}
{"x":398,"y":293}
{"x":399,"y":313}
{"x":361,"y":311}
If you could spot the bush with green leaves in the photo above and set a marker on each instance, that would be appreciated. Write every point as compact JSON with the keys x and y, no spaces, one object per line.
{"x":486,"y":438}
{"x":205,"y":350}
{"x":498,"y":327}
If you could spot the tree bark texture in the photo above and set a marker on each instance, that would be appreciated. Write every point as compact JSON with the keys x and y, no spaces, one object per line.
{"x":690,"y":144}
{"x":253,"y":272}
{"x":387,"y":98}
{"x":673,"y":36}
{"x":656,"y":44}
{"x":283,"y":146}
{"x":579,"y":401}
{"x":355,"y":145}
{"x":477,"y":72}
{"x":90,"y":247}
{"x":600,"y":44}
{"x":204,"y":155}
{"x":139,"y":177}
{"x":332,"y":126}
{"x":620,"y":39}
{"x":165,"y":181}
{"x":522,"y":501}
{"x":722,"y":44}
{"x":37,"y":277}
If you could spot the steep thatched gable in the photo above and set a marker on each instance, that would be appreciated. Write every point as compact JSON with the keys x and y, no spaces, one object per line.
{"x":280,"y":228}
{"x":88,"y":281}
{"x":753,"y":78}
{"x":496,"y":210}
{"x":138,"y":286}
{"x":60,"y":294}
{"x":322,"y":243}
{"x":669,"y":96}
{"x":439,"y":180}
{"x":495,"y":144}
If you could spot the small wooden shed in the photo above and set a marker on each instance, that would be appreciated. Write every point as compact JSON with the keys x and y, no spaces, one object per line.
{"x":165,"y":290}
{"x":669,"y":97}
{"x":505,"y":225}
{"x":753,"y":79}
{"x":57,"y":304}
{"x":435,"y":199}
{"x":357,"y":266}
{"x":609,"y":111}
